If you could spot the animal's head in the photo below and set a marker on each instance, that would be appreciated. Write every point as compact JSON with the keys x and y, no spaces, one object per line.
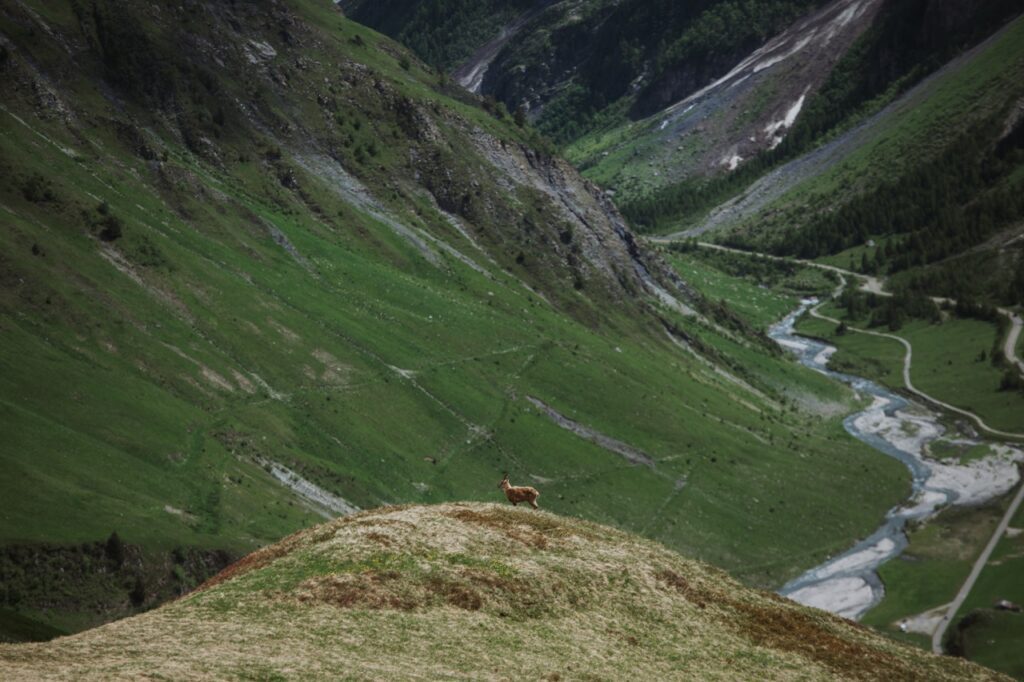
{"x":504,"y":482}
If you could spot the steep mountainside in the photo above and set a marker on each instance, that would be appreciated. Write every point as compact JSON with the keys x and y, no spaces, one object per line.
{"x":715,"y":127}
{"x":259,"y":265}
{"x":936,"y":178}
{"x":679,"y":108}
{"x":578,"y":64}
{"x":444,"y":33}
{"x":474,"y":591}
{"x":457,"y":37}
{"x":905,"y":42}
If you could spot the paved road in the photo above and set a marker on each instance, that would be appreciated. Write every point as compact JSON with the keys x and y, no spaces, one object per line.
{"x":965,"y":589}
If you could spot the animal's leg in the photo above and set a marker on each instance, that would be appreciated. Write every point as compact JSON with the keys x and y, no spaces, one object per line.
{"x":514,"y":503}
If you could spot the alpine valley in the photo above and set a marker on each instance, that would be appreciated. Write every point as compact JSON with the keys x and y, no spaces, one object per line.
{"x":286,"y":287}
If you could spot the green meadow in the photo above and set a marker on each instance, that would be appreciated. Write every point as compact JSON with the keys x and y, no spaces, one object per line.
{"x":930,"y":572}
{"x":142,"y":399}
{"x":994,"y":637}
{"x":951,"y":361}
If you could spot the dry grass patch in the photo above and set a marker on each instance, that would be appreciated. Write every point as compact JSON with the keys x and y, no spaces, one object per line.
{"x":477,"y":591}
{"x":811,"y":635}
{"x":513,"y":531}
{"x":422,"y":581}
{"x":537,"y":530}
{"x":846,"y":648}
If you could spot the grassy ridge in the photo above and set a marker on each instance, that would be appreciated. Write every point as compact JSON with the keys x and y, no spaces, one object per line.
{"x":478,"y":590}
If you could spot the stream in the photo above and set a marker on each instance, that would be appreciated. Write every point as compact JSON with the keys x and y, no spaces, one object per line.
{"x":848,"y":584}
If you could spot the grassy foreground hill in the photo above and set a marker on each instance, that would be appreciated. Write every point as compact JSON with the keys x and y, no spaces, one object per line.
{"x":477,"y":591}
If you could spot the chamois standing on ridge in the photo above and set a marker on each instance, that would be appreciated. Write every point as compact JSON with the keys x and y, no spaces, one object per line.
{"x":519,"y":493}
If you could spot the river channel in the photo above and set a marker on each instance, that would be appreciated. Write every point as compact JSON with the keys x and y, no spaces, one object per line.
{"x":848,"y":584}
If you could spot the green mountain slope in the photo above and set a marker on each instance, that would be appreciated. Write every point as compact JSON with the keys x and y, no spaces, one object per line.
{"x":259,"y":266}
{"x":820,"y":77}
{"x":936,"y":175}
{"x":475,"y":591}
{"x":679,"y":110}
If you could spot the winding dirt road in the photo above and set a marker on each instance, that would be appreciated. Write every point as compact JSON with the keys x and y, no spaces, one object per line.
{"x":907,"y":359}
{"x":876,"y":286}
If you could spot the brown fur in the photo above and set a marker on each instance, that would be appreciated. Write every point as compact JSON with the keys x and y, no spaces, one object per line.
{"x":519,"y":493}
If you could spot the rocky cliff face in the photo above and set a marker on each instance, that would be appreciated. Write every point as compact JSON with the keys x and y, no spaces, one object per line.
{"x":576,"y":64}
{"x":593,"y":236}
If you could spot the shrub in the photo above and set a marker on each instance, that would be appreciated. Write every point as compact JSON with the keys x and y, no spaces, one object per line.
{"x":143,"y":251}
{"x":1011,"y":380}
{"x":114,"y":549}
{"x":138,"y":591}
{"x":111,"y":228}
{"x":103,"y":223}
{"x":520,"y":115}
{"x":38,"y":190}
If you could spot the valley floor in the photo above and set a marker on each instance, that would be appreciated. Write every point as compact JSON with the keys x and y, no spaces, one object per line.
{"x":926,"y":586}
